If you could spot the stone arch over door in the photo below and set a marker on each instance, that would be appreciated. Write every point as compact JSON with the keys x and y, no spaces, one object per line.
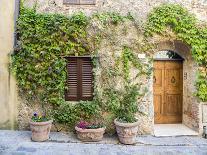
{"x":191,"y":105}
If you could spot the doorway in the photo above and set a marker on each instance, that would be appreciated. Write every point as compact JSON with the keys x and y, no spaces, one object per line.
{"x":168,"y":88}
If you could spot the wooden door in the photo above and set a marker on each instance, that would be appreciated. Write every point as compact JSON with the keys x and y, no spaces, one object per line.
{"x":168,"y":91}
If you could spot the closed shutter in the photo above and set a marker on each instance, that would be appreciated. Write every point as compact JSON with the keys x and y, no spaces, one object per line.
{"x":87,"y":79}
{"x":79,"y":79}
{"x":72,"y":79}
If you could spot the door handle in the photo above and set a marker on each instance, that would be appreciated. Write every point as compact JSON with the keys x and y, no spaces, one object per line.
{"x":154,"y":79}
{"x":173,"y":80}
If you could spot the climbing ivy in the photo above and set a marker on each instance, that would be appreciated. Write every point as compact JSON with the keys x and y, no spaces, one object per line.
{"x":124,"y":103}
{"x":39,"y":62}
{"x":45,"y":39}
{"x":185,"y":26}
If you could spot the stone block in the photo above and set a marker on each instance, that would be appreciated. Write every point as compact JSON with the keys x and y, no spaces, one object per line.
{"x":204,"y":113}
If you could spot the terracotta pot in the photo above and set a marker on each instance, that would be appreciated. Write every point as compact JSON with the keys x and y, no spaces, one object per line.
{"x":127,"y":132}
{"x":90,"y":135}
{"x":40,"y":130}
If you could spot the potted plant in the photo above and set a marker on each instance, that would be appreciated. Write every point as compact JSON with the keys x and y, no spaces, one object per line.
{"x":126,"y":122}
{"x":40,"y":126}
{"x":90,"y":132}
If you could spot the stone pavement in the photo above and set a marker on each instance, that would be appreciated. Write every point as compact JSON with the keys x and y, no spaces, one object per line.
{"x":19,"y":143}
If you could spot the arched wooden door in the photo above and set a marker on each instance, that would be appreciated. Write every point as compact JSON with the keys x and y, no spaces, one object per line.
{"x":168,"y":91}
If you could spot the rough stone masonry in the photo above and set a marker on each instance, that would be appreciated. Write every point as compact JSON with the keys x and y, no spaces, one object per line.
{"x":193,"y":111}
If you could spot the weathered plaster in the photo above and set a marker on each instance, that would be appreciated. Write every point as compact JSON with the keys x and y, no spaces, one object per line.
{"x":8,"y":93}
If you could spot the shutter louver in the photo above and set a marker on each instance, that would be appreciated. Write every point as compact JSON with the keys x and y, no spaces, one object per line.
{"x":72,"y":81}
{"x":87,"y":79}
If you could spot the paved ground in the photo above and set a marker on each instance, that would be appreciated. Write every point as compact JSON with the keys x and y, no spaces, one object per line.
{"x":19,"y":143}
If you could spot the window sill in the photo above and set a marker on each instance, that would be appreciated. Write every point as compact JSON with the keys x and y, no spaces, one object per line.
{"x":71,"y":4}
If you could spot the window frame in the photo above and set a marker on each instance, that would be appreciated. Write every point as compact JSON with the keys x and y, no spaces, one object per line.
{"x":79,"y":95}
{"x":65,"y":2}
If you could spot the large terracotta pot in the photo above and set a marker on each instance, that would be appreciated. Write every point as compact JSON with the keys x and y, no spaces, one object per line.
{"x":40,"y":130}
{"x":90,"y":135}
{"x":127,"y":132}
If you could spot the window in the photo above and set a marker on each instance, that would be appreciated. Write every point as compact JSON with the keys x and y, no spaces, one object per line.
{"x":79,"y":79}
{"x":80,"y":2}
{"x":167,"y":55}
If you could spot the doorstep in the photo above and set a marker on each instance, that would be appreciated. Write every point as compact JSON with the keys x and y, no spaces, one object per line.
{"x":167,"y":130}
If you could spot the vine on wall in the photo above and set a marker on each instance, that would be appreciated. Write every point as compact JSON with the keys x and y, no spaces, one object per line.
{"x":45,"y":39}
{"x":185,"y":26}
{"x":124,"y":102}
{"x":39,"y":63}
{"x":40,"y":66}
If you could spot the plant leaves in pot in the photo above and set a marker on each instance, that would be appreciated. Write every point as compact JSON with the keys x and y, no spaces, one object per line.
{"x":126,"y":122}
{"x":89,"y":132}
{"x":40,"y":126}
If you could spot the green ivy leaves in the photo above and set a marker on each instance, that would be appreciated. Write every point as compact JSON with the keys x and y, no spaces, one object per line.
{"x":44,"y":40}
{"x":39,"y":63}
{"x":184,"y":25}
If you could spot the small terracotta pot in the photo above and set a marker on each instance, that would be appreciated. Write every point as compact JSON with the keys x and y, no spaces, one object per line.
{"x":90,"y":135}
{"x":40,"y":130}
{"x":127,"y":132}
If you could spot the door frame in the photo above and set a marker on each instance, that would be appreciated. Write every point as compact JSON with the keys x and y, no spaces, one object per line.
{"x":166,"y":59}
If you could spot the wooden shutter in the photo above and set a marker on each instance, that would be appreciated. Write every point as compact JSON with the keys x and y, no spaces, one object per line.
{"x":87,"y":79}
{"x":72,"y":79}
{"x":79,"y":79}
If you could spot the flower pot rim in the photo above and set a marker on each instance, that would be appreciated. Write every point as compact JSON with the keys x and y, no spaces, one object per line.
{"x":116,"y":122}
{"x":41,"y":123}
{"x":90,"y":130}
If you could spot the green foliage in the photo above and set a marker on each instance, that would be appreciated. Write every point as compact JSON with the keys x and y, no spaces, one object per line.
{"x":87,"y":109}
{"x":39,"y":118}
{"x":124,"y":103}
{"x":40,"y":66}
{"x":39,"y":63}
{"x":114,"y":18}
{"x":129,"y":60}
{"x":66,"y":114}
{"x":128,"y":105}
{"x":184,"y":25}
{"x":201,"y":84}
{"x":70,"y":114}
{"x":45,"y":39}
{"x":86,"y":125}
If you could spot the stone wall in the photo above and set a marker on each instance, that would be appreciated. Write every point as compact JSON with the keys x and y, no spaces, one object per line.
{"x":8,"y":93}
{"x":138,"y":8}
{"x":110,"y":49}
{"x":192,"y":115}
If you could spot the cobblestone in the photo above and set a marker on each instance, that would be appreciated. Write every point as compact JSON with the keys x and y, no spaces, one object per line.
{"x":19,"y":143}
